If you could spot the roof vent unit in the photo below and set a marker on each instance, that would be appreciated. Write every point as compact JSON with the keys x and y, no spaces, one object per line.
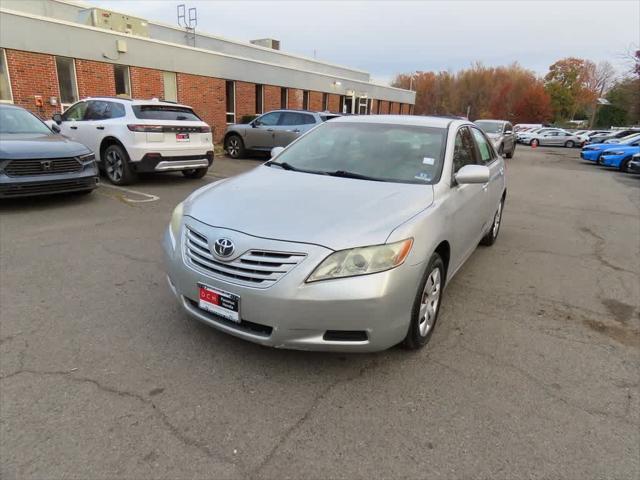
{"x":267,"y":42}
{"x":118,"y":22}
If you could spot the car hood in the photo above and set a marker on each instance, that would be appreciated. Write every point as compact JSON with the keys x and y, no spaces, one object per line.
{"x":599,"y":146}
{"x":333,"y":212}
{"x":621,"y":148}
{"x":35,"y":145}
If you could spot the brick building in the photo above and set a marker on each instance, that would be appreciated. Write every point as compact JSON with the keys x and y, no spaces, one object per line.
{"x":73,"y":50}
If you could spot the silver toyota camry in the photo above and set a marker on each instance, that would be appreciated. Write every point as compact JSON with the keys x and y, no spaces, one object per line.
{"x":345,"y":239}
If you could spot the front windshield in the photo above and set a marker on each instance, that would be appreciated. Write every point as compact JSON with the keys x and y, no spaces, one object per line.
{"x":387,"y":152}
{"x":630,"y":138}
{"x":15,"y":120}
{"x":490,"y":127}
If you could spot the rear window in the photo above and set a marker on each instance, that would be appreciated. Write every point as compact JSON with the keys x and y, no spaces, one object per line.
{"x":324,"y":118}
{"x":164,"y":112}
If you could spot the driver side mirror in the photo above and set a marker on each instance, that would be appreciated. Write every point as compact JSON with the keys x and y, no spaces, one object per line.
{"x":472,"y":174}
{"x":57,"y":118}
{"x":55,"y":128}
{"x":275,"y":151}
{"x":255,"y":123}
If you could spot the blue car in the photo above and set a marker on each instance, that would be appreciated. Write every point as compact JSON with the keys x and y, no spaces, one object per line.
{"x":620,"y":155}
{"x":593,"y":152}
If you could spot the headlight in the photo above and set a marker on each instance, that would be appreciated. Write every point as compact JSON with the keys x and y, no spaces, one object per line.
{"x":617,"y":152}
{"x":176,"y":220}
{"x":362,"y":261}
{"x":89,"y":157}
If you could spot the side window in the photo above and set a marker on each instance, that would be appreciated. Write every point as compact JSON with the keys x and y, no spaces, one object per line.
{"x":463,"y":153}
{"x":96,"y":110}
{"x":308,"y":119}
{"x":484,"y":148}
{"x":508,"y":127}
{"x":291,"y":118}
{"x":75,"y":112}
{"x":115,"y":110}
{"x":269,"y":120}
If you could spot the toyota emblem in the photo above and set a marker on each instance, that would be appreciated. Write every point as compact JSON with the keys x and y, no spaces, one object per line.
{"x":223,"y":247}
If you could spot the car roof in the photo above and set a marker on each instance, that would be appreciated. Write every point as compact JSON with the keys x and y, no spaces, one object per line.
{"x":413,"y":120}
{"x":491,"y":120}
{"x":12,"y":106}
{"x":150,"y":101}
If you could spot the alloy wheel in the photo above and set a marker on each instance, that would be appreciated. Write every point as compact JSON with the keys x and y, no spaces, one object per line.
{"x":496,"y":221}
{"x":430,"y":301}
{"x":233,"y":147}
{"x":115,"y":165}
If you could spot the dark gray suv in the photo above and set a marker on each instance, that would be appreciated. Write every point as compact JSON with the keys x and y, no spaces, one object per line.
{"x":277,"y":128}
{"x":501,"y":134}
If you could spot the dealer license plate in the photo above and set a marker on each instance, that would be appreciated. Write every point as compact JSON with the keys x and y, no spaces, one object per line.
{"x":219,"y":302}
{"x":182,"y":137}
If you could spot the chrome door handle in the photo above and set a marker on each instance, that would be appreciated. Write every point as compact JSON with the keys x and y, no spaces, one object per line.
{"x":100,"y":127}
{"x":73,"y":128}
{"x":297,"y":130}
{"x":269,"y":129}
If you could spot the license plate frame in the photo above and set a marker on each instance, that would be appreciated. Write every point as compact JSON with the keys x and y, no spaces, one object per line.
{"x":219,"y":302}
{"x":183,"y":137}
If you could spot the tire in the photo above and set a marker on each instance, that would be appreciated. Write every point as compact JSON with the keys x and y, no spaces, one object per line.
{"x":513,"y":150}
{"x":492,"y":235}
{"x":501,"y":150}
{"x":234,"y":146}
{"x":117,"y":166}
{"x":195,"y":172}
{"x":424,"y":313}
{"x":569,"y":144}
{"x":534,"y":142}
{"x":624,"y":165}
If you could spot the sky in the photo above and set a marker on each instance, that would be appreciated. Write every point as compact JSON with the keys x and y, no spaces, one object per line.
{"x":390,"y":37}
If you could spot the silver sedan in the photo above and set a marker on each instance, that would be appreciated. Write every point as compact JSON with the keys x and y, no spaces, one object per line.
{"x":344,"y":240}
{"x":559,"y":138}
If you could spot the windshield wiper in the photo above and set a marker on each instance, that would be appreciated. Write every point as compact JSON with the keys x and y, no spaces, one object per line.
{"x":359,"y":176}
{"x":283,"y":165}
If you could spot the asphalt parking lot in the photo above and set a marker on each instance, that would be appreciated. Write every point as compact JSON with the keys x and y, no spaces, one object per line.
{"x":533,"y":371}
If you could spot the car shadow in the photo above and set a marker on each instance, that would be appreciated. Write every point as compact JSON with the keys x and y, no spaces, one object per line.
{"x":41,"y":202}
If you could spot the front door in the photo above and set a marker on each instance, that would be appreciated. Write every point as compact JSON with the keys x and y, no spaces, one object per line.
{"x":495,"y":186}
{"x":261,"y":134}
{"x":73,"y":124}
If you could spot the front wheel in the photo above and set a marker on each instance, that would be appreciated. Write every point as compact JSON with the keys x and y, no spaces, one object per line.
{"x":491,"y":236}
{"x":195,"y":172}
{"x":624,"y":165}
{"x":569,"y":144}
{"x":426,"y":305}
{"x":513,"y":150}
{"x":234,"y":146}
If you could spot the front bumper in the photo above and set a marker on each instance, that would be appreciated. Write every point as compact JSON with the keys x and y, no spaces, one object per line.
{"x":156,"y":162}
{"x":611,"y":160}
{"x":33,"y":185}
{"x":590,"y":155}
{"x":298,"y":315}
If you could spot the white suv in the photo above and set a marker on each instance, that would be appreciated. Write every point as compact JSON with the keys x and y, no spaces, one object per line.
{"x":132,"y":136}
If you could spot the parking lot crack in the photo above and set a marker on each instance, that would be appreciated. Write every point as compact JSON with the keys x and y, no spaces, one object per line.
{"x":289,"y":432}
{"x":128,"y":256}
{"x":599,"y":248}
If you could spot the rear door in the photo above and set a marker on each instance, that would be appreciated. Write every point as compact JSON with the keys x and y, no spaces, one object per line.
{"x":291,"y":126}
{"x":260,"y":133}
{"x":487,"y":156}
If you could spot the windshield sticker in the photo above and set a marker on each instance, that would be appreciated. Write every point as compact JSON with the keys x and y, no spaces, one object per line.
{"x":428,"y":161}
{"x":423,"y":176}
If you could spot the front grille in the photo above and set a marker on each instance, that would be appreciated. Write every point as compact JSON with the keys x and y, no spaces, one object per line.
{"x":254,"y":268}
{"x":43,"y":188}
{"x":42,"y":166}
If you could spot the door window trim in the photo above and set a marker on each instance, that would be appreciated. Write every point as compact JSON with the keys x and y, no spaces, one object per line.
{"x":492,"y":152}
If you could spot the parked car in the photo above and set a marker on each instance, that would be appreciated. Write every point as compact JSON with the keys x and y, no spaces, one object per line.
{"x":526,"y":137}
{"x":34,"y":160}
{"x":135,"y":136}
{"x":554,"y":138}
{"x":586,"y":135}
{"x":277,"y":128}
{"x":634,"y":164}
{"x":613,"y":136}
{"x":501,"y":134}
{"x":593,"y":151}
{"x":366,"y":220}
{"x":619,"y":156}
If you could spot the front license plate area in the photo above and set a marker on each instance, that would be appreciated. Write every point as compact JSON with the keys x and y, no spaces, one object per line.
{"x":182,"y":137}
{"x":219,"y":302}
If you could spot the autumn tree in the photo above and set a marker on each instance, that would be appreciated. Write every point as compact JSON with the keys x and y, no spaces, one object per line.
{"x":572,"y":84}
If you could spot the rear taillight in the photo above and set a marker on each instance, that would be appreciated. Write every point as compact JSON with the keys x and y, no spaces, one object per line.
{"x":146,"y":128}
{"x":206,"y":129}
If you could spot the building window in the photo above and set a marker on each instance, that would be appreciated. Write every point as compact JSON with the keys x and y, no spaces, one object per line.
{"x":5,"y":83}
{"x":67,"y":84}
{"x":342,"y":106}
{"x":325,"y":102}
{"x":284,"y":97}
{"x":123,"y":82}
{"x":230,"y":89}
{"x":170,"y":86}
{"x":259,"y":99}
{"x":378,"y":107}
{"x":305,"y":99}
{"x":390,"y":107}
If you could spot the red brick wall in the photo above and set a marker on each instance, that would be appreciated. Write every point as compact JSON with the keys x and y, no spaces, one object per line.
{"x":334,"y":103}
{"x":396,"y":108}
{"x":271,"y":98}
{"x":315,"y":101}
{"x":95,"y":79}
{"x":33,"y":74}
{"x":207,"y":97}
{"x":295,"y":98}
{"x":245,"y":99}
{"x":146,"y":83}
